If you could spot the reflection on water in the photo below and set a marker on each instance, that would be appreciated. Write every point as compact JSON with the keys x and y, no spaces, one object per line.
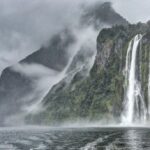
{"x":75,"y":139}
{"x":134,"y":139}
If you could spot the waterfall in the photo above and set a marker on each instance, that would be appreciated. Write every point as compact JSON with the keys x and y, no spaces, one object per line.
{"x":134,"y":105}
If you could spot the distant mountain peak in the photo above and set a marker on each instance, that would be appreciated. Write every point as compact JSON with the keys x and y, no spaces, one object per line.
{"x":102,"y":13}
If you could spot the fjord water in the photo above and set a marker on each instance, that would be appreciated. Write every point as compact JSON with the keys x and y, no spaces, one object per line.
{"x":75,"y":139}
{"x":134,"y":105}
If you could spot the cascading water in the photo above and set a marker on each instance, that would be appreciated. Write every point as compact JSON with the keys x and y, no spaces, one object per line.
{"x":134,"y":105}
{"x":149,"y":91}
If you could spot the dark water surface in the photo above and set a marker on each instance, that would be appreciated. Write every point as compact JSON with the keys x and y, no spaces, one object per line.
{"x":75,"y":139}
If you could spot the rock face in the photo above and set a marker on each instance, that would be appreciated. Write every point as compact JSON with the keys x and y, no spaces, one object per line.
{"x":100,"y":95}
{"x":102,"y":14}
{"x":15,"y":86}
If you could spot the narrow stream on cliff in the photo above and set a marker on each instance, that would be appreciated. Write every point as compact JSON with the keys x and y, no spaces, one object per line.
{"x":149,"y":91}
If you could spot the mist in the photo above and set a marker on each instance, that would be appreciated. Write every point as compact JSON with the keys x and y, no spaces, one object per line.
{"x":26,"y":25}
{"x":44,"y":78}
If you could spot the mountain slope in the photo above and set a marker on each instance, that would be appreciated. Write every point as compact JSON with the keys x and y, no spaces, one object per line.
{"x":100,"y":95}
{"x":17,"y":83}
{"x":102,"y":14}
{"x":16,"y":87}
{"x":54,"y":55}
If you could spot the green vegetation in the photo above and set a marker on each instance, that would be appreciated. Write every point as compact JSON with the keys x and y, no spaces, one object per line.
{"x":100,"y":95}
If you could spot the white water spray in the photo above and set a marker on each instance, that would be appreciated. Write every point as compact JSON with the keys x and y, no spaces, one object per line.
{"x":134,"y":105}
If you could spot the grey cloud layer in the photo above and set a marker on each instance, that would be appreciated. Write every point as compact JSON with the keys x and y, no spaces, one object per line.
{"x":26,"y":24}
{"x":133,"y":10}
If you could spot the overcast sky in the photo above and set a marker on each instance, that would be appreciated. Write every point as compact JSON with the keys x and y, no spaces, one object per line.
{"x":26,"y":24}
{"x":133,"y":10}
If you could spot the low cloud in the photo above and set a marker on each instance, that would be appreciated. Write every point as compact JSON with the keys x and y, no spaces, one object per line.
{"x":25,"y":25}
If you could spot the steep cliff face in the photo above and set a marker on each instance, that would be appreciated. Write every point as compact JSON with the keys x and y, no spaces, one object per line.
{"x":17,"y":83}
{"x":101,"y":94}
{"x":144,"y":64}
